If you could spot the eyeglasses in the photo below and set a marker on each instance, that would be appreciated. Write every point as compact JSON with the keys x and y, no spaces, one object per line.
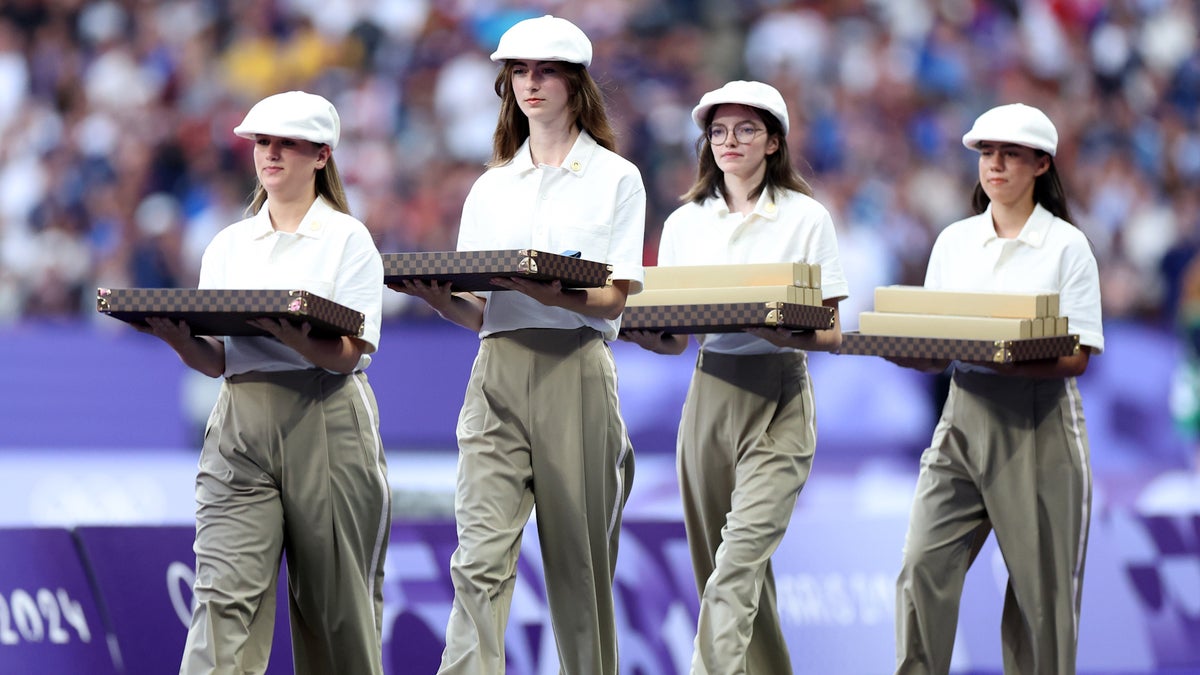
{"x":718,"y":134}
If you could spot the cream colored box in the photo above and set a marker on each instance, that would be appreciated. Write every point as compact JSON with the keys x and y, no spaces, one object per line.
{"x":920,"y":300}
{"x":1062,"y":326}
{"x":699,"y":296}
{"x":932,"y":325}
{"x":1039,"y":327}
{"x":714,"y":276}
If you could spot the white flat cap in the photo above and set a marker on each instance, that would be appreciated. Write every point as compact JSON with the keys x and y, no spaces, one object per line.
{"x":1014,"y":123}
{"x":293,"y":114}
{"x":754,"y":94}
{"x":546,"y":38}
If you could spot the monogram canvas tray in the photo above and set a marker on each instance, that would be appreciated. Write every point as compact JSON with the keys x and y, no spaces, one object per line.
{"x":473,"y":270}
{"x":957,"y":349}
{"x":226,"y":311}
{"x":726,"y":317}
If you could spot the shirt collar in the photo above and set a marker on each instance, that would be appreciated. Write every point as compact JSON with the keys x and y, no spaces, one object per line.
{"x":312,"y":225}
{"x":576,"y":161}
{"x":765,"y":207}
{"x":1032,"y":233}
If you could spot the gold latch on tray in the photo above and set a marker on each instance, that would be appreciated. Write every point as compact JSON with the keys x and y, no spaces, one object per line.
{"x":528,"y":265}
{"x":299,"y":302}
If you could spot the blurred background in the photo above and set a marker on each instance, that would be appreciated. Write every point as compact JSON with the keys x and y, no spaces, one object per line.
{"x":119,"y":164}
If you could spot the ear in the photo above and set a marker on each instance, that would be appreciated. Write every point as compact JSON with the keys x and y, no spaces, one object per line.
{"x":1043,"y":164}
{"x":772,"y":144}
{"x":323,"y":155}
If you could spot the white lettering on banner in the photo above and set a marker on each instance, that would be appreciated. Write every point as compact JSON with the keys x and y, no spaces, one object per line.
{"x":181,"y":577}
{"x":834,"y":599}
{"x":41,"y":620}
{"x":73,"y":614}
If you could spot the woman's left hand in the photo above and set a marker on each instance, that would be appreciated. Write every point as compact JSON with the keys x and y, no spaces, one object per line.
{"x":291,"y":335}
{"x":780,"y":337}
{"x":549,"y":294}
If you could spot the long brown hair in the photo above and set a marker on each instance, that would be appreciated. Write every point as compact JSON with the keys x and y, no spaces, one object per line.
{"x":329,"y":185}
{"x":586,"y":104}
{"x":1047,"y":191}
{"x":780,"y":174}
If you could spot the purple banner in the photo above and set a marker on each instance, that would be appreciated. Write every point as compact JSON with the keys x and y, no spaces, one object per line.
{"x":835,"y":579}
{"x":144,"y":577}
{"x":49,"y":622}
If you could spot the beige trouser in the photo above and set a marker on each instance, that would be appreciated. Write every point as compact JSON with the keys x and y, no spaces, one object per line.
{"x":1009,"y":454}
{"x":746,"y":444}
{"x":292,"y":463}
{"x":540,"y":428}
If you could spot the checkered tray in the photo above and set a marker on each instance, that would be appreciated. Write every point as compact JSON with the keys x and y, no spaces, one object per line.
{"x":473,"y":270}
{"x":226,"y":311}
{"x":726,"y":317}
{"x":993,"y":351}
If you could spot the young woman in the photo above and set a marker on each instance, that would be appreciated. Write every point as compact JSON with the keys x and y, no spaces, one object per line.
{"x":1010,"y":452}
{"x":748,"y":433}
{"x":292,"y":463}
{"x":540,"y":426}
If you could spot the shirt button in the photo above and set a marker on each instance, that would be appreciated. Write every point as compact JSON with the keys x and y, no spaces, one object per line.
{"x":576,"y":166}
{"x":770,"y":207}
{"x":314,"y":227}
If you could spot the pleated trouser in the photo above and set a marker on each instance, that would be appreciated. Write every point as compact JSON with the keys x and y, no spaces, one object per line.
{"x":746,"y":443}
{"x":540,"y":428}
{"x":1008,"y":455}
{"x":292,"y":462}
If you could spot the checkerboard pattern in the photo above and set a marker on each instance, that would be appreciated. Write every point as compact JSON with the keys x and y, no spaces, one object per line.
{"x":726,"y":317}
{"x":992,"y":351}
{"x":226,"y":311}
{"x":472,"y":270}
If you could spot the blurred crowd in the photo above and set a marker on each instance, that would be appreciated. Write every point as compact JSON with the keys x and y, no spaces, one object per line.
{"x":119,"y":163}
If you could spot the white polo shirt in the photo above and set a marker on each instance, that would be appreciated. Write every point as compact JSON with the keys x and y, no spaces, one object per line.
{"x":331,"y":254}
{"x":1049,"y":255}
{"x":594,"y":203}
{"x":793,"y":227}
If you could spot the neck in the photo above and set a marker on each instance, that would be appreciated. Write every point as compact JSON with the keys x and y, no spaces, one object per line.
{"x":286,"y":213}
{"x":737,"y":191}
{"x":549,"y":143}
{"x":1009,"y":219}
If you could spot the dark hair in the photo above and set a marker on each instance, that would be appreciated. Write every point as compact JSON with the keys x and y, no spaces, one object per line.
{"x":328,"y":183}
{"x":586,"y":104}
{"x":780,"y":174}
{"x":1047,"y":191}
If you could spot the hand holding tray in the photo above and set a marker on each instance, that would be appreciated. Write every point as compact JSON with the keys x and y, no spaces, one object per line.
{"x":473,"y":270}
{"x":226,"y":311}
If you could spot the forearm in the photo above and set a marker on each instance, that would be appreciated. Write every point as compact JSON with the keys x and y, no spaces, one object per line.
{"x":340,"y":355}
{"x":464,"y":309}
{"x":203,"y":354}
{"x":601,"y":303}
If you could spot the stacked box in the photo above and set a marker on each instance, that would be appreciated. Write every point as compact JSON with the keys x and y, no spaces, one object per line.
{"x":722,"y":298}
{"x":914,"y":311}
{"x":916,"y":322}
{"x":795,"y":282}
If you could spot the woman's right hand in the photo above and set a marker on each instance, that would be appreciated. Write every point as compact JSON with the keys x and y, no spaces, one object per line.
{"x":176,"y":334}
{"x":437,"y":295}
{"x":656,"y":341}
